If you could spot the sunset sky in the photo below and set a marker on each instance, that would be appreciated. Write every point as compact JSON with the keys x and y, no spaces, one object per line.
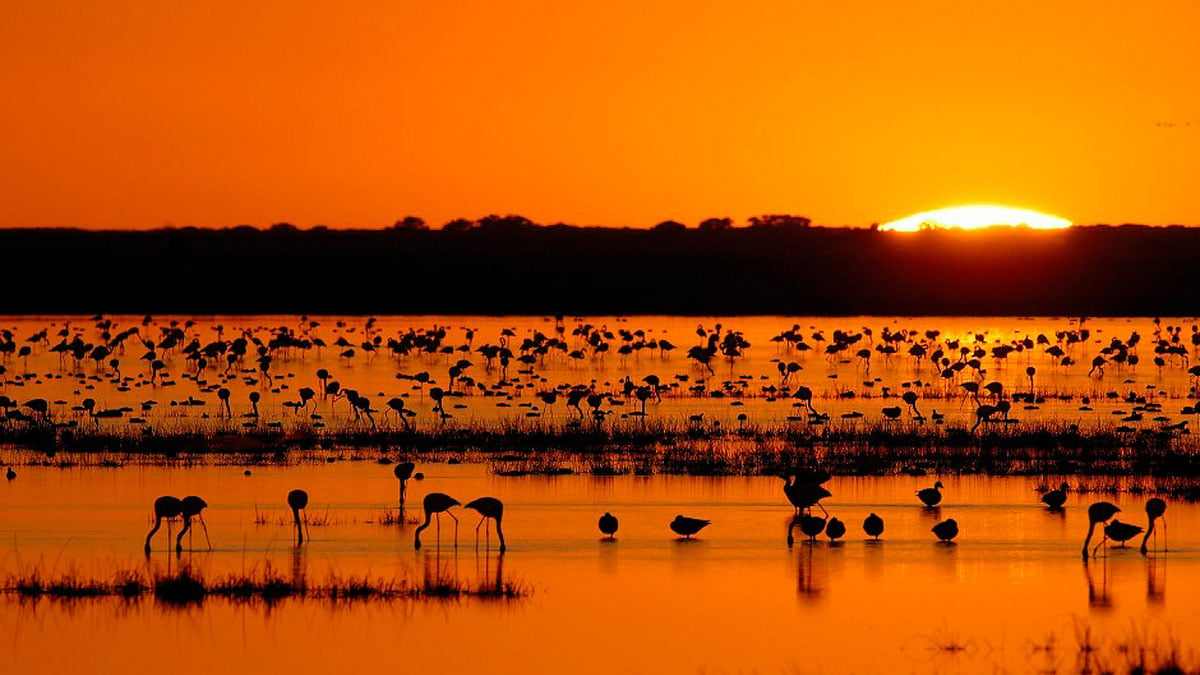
{"x":139,"y":114}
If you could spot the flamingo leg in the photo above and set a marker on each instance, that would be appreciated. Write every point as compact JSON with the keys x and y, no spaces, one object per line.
{"x":205,"y":527}
{"x":455,"y":528}
{"x":1164,"y":529}
{"x":1104,"y":539}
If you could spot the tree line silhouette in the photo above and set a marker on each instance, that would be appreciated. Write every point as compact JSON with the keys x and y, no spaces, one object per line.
{"x":509,"y":265}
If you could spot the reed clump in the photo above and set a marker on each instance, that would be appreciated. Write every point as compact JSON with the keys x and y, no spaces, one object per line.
{"x":187,"y":587}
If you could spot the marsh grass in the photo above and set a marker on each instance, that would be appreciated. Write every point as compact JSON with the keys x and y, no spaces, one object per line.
{"x":187,"y":588}
{"x":532,"y":448}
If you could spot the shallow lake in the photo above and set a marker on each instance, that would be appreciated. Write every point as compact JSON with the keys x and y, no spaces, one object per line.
{"x":183,"y":397}
{"x":1010,"y":593}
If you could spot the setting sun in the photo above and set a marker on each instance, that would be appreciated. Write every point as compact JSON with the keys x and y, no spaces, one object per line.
{"x":976,"y":217}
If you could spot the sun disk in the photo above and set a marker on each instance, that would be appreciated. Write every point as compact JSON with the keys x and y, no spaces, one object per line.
{"x":976,"y":217}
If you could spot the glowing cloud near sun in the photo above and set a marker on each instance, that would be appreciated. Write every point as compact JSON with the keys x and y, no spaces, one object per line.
{"x":976,"y":217}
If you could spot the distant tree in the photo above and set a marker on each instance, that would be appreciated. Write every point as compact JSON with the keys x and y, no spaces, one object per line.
{"x":716,"y":224}
{"x":284,"y":227}
{"x":778,"y":221}
{"x":509,"y":223}
{"x":410,"y":223}
{"x":245,"y":228}
{"x":458,"y":225}
{"x":669,"y":226}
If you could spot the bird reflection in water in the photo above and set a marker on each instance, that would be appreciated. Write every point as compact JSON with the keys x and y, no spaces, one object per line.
{"x":1097,"y":582}
{"x":299,"y":566}
{"x":440,"y":576}
{"x":1156,"y":579}
{"x":489,"y":568}
{"x":808,"y":575}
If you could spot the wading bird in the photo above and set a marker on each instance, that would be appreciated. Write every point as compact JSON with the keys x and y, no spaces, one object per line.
{"x":1122,"y":532}
{"x":1100,"y":512}
{"x":873,"y":526}
{"x":1056,"y":498}
{"x":191,"y":506}
{"x":298,"y":501}
{"x":608,"y":525}
{"x":946,"y":530}
{"x":437,"y":503}
{"x":1155,"y":508}
{"x":488,"y":507}
{"x":686,"y":527}
{"x":931,"y":496}
{"x":403,"y":472}
{"x":164,"y":507}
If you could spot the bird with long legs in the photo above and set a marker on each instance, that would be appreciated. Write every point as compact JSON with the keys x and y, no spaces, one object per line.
{"x":805,"y":491}
{"x":1100,"y":512}
{"x":1121,"y":532}
{"x":403,"y":472}
{"x":165,"y":508}
{"x":297,"y":500}
{"x":191,"y":507}
{"x":489,"y":508}
{"x":437,"y":503}
{"x":1155,"y":508}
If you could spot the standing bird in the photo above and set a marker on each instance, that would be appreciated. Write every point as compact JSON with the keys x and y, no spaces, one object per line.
{"x":1155,"y":508}
{"x":1056,"y":498}
{"x":298,"y":500}
{"x":805,"y":495}
{"x":437,"y":503}
{"x":946,"y":530}
{"x":190,"y":507}
{"x":10,"y":474}
{"x":873,"y":526}
{"x":164,"y":507}
{"x":403,"y":471}
{"x":931,"y":496}
{"x":1100,"y":512}
{"x":686,"y":527}
{"x":488,"y":507}
{"x":608,"y":525}
{"x":1122,"y":532}
{"x":835,"y":529}
{"x":811,"y":526}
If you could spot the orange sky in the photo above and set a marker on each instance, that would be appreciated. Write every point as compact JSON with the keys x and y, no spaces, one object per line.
{"x":121,"y":113}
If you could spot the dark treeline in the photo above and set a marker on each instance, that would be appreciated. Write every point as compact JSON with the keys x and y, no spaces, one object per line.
{"x":509,"y":266}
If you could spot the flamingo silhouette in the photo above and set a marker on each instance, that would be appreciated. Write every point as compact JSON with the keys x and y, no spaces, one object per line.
{"x":298,"y":501}
{"x":488,"y":507}
{"x":437,"y":503}
{"x":403,"y":471}
{"x":804,"y":495}
{"x":191,"y":506}
{"x":164,"y":507}
{"x":1100,"y":512}
{"x":1155,"y":508}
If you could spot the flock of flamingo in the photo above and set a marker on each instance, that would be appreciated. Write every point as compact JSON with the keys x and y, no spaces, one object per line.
{"x":804,"y":490}
{"x":151,"y":356}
